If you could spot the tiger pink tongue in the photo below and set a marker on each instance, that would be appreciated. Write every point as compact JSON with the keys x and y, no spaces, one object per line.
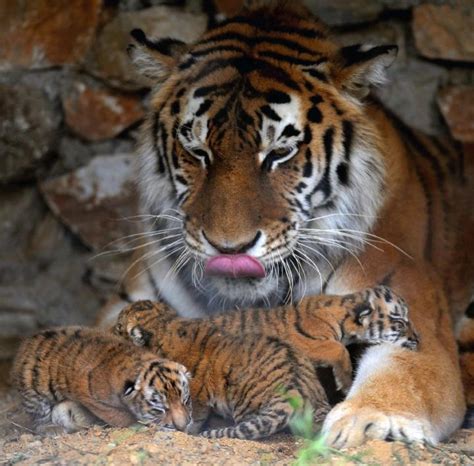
{"x":235,"y":266}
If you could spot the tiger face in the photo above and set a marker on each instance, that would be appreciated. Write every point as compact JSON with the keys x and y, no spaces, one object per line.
{"x":160,"y":394}
{"x":258,"y":160}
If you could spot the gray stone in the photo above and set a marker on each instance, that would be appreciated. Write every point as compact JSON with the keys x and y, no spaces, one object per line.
{"x":20,"y":210}
{"x":94,"y":200}
{"x":28,"y":131}
{"x":339,"y":12}
{"x":410,"y":93}
{"x":109,"y":60}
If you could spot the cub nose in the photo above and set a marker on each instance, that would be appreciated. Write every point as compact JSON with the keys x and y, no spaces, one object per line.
{"x":232,"y":247}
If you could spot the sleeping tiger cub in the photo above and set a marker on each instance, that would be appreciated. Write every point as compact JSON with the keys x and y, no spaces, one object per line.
{"x":372,"y":316}
{"x":73,"y":376}
{"x":248,"y":380}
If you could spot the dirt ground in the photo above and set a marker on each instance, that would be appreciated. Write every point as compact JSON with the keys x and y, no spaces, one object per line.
{"x":141,"y":445}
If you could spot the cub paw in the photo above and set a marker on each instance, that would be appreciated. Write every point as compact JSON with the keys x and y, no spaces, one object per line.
{"x":348,"y":426}
{"x":72,"y":416}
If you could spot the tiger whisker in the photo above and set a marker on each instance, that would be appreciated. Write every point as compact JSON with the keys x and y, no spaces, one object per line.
{"x":153,"y":264}
{"x":135,"y":248}
{"x":147,"y":256}
{"x":307,"y":260}
{"x":319,"y":253}
{"x":340,"y":214}
{"x":337,"y":245}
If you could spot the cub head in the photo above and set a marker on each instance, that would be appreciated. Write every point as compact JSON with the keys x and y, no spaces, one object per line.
{"x":260,"y":161}
{"x":139,"y":321}
{"x":159,"y":394}
{"x":383,"y":318}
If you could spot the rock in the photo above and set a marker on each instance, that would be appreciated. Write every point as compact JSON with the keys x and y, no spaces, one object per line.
{"x":410,"y":93}
{"x":109,"y":60}
{"x":94,"y":200}
{"x":457,"y":107}
{"x":445,"y":31}
{"x":96,"y":113}
{"x":16,"y":205}
{"x":42,"y":34}
{"x":17,"y":312}
{"x":339,"y":12}
{"x":27,"y":131}
{"x":74,"y":153}
{"x":42,"y":270}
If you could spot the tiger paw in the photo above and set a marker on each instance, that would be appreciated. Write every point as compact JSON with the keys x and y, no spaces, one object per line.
{"x":349,"y":426}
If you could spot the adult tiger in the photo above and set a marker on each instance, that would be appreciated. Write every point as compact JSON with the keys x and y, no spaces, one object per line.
{"x":268,"y":173}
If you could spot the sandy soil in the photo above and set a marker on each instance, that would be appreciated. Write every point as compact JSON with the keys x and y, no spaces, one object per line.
{"x":141,"y":445}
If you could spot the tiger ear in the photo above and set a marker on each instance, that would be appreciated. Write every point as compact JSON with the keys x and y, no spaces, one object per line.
{"x":363,"y":66}
{"x":155,"y":59}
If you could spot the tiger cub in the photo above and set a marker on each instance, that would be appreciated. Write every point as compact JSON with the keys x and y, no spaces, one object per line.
{"x":319,"y":326}
{"x":72,"y":376}
{"x":247,"y":379}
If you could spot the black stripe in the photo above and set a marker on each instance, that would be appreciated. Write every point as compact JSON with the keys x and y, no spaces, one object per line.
{"x":270,"y":113}
{"x":316,"y":74}
{"x":298,"y":326}
{"x":277,"y":97}
{"x":216,"y":49}
{"x":270,"y":23}
{"x":325,"y":184}
{"x":285,"y":58}
{"x":347,"y":136}
{"x":159,"y":155}
{"x":253,"y":41}
{"x":204,"y":107}
{"x":314,"y":115}
{"x":290,"y":131}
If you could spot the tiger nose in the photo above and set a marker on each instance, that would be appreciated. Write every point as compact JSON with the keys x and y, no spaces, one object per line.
{"x":230,"y":247}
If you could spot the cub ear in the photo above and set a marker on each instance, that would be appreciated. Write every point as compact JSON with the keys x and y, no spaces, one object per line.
{"x":155,"y":59}
{"x":128,"y":387}
{"x":140,"y":336}
{"x":362,"y":66}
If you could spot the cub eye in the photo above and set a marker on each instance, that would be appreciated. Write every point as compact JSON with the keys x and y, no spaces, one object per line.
{"x":129,"y":387}
{"x":361,"y":312}
{"x":277,"y":156}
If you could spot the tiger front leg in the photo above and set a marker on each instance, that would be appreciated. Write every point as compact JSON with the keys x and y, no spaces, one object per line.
{"x":112,"y":416}
{"x":411,"y":396}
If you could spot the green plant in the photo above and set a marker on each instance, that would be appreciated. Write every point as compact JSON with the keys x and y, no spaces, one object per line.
{"x":314,"y":447}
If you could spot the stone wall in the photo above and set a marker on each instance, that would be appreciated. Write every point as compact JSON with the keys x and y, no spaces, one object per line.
{"x":70,"y":104}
